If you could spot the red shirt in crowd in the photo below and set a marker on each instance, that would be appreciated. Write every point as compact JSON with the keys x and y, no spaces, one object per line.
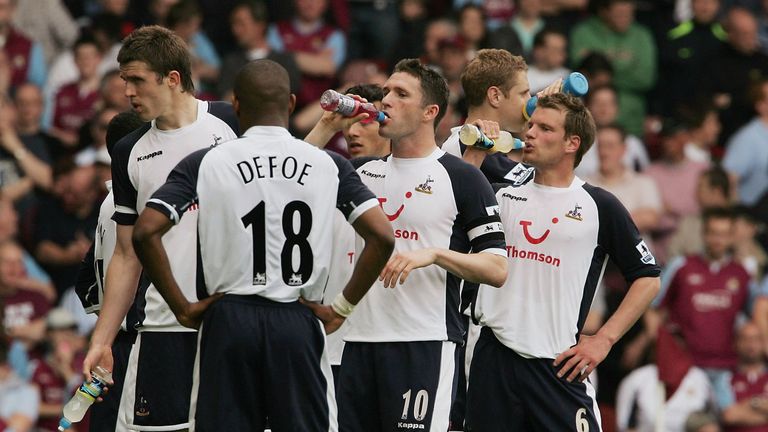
{"x":746,"y":386}
{"x":73,"y":108}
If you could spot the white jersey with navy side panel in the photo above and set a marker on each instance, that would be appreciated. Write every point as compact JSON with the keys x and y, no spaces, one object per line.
{"x":559,"y":241}
{"x":266,"y":207}
{"x":436,"y":201}
{"x":140,"y":164}
{"x":343,"y":258}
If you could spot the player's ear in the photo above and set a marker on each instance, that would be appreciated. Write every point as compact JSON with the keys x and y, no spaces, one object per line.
{"x":291,"y":104}
{"x":430,"y":112}
{"x":174,"y":79}
{"x":493,"y":95}
{"x":572,"y":144}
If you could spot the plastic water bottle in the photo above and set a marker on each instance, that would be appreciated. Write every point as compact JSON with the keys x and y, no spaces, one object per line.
{"x":471,"y":135}
{"x":575,"y":84}
{"x":331,"y":100}
{"x":84,"y":397}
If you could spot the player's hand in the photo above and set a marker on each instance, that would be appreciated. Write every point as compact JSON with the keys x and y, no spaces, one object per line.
{"x":489,"y":127}
{"x":583,"y":358}
{"x":98,"y":355}
{"x":555,"y":87}
{"x":325,"y":313}
{"x":401,"y":265}
{"x":193,"y":313}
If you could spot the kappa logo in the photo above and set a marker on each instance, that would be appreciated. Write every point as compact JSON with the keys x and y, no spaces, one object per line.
{"x":514,"y":197}
{"x":400,"y":209}
{"x":425,"y":187}
{"x":575,"y":214}
{"x":535,"y":240}
{"x":149,"y":156}
{"x":371,"y":174}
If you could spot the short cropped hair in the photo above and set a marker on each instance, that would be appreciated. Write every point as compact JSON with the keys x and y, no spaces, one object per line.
{"x":578,"y":120}
{"x":491,"y":67}
{"x":433,"y":86}
{"x":162,"y":50}
{"x":371,"y":92}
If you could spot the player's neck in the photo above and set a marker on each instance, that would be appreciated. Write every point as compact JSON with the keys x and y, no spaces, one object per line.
{"x":483,"y":112}
{"x":559,"y":176}
{"x":417,"y":145}
{"x":181,"y":112}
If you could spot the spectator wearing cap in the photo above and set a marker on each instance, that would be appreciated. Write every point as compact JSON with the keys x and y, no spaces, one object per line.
{"x":677,"y":179}
{"x":248,"y":23}
{"x":632,"y":52}
{"x":19,"y":401}
{"x":56,"y":375}
{"x":746,"y":156}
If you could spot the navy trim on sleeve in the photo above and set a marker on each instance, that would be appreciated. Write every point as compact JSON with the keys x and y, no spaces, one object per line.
{"x":125,"y":192}
{"x":352,"y":192}
{"x":180,"y":190}
{"x":226,"y":113}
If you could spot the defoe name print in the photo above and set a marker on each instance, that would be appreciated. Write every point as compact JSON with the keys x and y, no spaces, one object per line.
{"x":260,"y":167}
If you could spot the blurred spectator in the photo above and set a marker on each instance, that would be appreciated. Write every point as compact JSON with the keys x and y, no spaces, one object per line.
{"x":677,"y":179}
{"x":18,"y":400}
{"x":248,"y":22}
{"x":704,"y":294}
{"x":57,"y":374}
{"x":374,"y":28}
{"x":23,"y":56}
{"x":527,"y":22}
{"x":631,"y":50}
{"x":75,"y":102}
{"x":597,"y":68}
{"x":742,"y":395}
{"x":746,"y":250}
{"x":436,"y":31}
{"x":318,"y":47}
{"x":185,"y":19}
{"x":702,"y":421}
{"x":603,"y":103}
{"x":637,"y":192}
{"x":112,"y":90}
{"x":685,"y":51}
{"x":47,"y":22}
{"x":472,"y":29}
{"x":24,"y":307}
{"x":24,"y":159}
{"x":550,"y":49}
{"x":497,"y":12}
{"x":413,"y":26}
{"x":66,"y":222}
{"x":9,"y":229}
{"x":703,"y":125}
{"x":740,"y":65}
{"x":746,"y":155}
{"x":661,"y":396}
{"x":713,"y":191}
{"x":452,"y":58}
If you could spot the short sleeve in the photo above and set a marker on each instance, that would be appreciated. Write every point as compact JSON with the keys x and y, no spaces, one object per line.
{"x":621,"y":239}
{"x":353,"y":198}
{"x":180,"y":189}
{"x":477,"y":206}
{"x":126,"y":194}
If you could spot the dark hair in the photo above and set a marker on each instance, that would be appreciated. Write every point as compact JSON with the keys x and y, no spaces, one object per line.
{"x":578,"y":120}
{"x":108,"y":24}
{"x":541,"y":37}
{"x":182,"y":12}
{"x":3,"y":348}
{"x":433,"y":86}
{"x":745,"y":213}
{"x":121,"y":125}
{"x":595,"y":90}
{"x":257,"y":9}
{"x":371,"y":92}
{"x":717,"y":178}
{"x":85,"y":39}
{"x":490,"y":68}
{"x":162,"y":50}
{"x":716,"y":213}
{"x":594,"y":63}
{"x":693,"y":115}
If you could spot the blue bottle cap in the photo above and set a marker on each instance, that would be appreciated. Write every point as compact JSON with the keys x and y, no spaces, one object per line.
{"x":576,"y":84}
{"x":64,"y":424}
{"x":381,"y":117}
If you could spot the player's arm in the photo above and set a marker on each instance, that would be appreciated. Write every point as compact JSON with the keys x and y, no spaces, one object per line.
{"x":473,"y":155}
{"x":330,"y":124}
{"x":483,"y":267}
{"x":620,"y":238}
{"x":120,"y":286}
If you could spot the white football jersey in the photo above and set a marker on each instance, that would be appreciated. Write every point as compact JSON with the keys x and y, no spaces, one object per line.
{"x":141,"y":163}
{"x":436,"y":201}
{"x":558,"y":243}
{"x":266,"y":204}
{"x":343,"y":258}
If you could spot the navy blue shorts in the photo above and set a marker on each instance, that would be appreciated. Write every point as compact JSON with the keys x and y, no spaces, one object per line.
{"x":104,"y":414}
{"x":158,"y":381}
{"x":508,"y":392}
{"x":396,"y":386}
{"x":262,"y":359}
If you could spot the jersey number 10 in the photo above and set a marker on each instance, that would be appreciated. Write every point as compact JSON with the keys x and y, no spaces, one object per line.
{"x":257,"y":218}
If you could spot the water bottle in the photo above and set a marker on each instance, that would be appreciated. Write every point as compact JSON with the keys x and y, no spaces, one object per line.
{"x":84,"y":397}
{"x":348,"y":106}
{"x":574,"y":84}
{"x":471,"y":135}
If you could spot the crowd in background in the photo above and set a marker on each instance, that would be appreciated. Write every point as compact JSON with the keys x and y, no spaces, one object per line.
{"x":678,"y":90}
